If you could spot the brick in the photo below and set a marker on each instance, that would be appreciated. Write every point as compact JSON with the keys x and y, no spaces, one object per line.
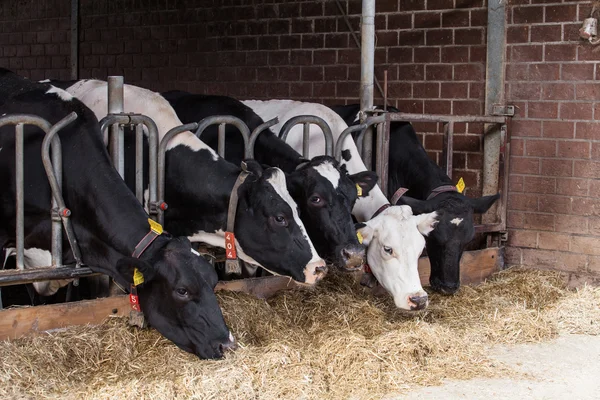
{"x":553,"y":241}
{"x":594,"y":226}
{"x":527,"y":15}
{"x":467,"y":107}
{"x":516,"y":72}
{"x":525,"y":91}
{"x":585,"y":206}
{"x":558,"y":91}
{"x":426,"y":90}
{"x":540,"y":148}
{"x":571,"y":224}
{"x":403,"y":21}
{"x":467,"y":143}
{"x":384,"y":39}
{"x":517,"y":34}
{"x":411,"y":38}
{"x":563,"y":13}
{"x":412,"y":5}
{"x":438,"y":107}
{"x":439,"y":37}
{"x":455,"y":18}
{"x":455,"y":54}
{"x":399,"y":55}
{"x":410,"y":106}
{"x":554,"y":259}
{"x":515,"y":184}
{"x":452,"y":90}
{"x":526,"y":53}
{"x":587,"y":130}
{"x":542,"y":222}
{"x":560,"y":52}
{"x":411,"y":72}
{"x":555,"y":204}
{"x":550,"y":167}
{"x":585,"y":245}
{"x":543,"y":109}
{"x":515,"y":219}
{"x":538,"y":184}
{"x":522,"y":238}
{"x":476,"y":90}
{"x":572,"y":186}
{"x":440,"y":4}
{"x":587,"y":91}
{"x":517,"y":146}
{"x":526,"y":128}
{"x":469,"y":36}
{"x":438,"y":72}
{"x":594,"y":188}
{"x":577,"y":72}
{"x":581,"y":111}
{"x":544,"y":72}
{"x":400,"y":89}
{"x":558,"y":129}
{"x":468,"y":72}
{"x":586,"y":169}
{"x":573,"y":149}
{"x":546,"y":33}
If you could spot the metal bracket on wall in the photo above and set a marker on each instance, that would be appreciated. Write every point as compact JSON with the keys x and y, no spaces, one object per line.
{"x":503,"y":111}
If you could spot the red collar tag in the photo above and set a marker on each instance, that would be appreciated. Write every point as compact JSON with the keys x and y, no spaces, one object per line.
{"x":134,"y":300}
{"x":230,"y":252}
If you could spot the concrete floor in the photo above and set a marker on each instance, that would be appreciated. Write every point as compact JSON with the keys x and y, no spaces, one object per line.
{"x":567,"y":368}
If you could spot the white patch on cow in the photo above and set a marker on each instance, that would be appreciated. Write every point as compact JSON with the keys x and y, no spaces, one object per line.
{"x":365,"y":207}
{"x":329,"y":172}
{"x":277,"y":181}
{"x":94,"y":94}
{"x":456,"y":221}
{"x":217,"y":239}
{"x":62,"y":94}
{"x":37,"y":258}
{"x":194,"y":252}
{"x":45,"y":81}
{"x":396,"y":228}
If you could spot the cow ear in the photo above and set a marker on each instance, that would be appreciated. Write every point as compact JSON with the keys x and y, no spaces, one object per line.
{"x":126,"y":267}
{"x":366,"y":180}
{"x":426,"y":222}
{"x":364,"y":233}
{"x":417,"y":206}
{"x":294,"y":183}
{"x":484,"y":203}
{"x":253,"y":167}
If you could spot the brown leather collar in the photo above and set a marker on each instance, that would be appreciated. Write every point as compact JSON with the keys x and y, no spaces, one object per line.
{"x":381,"y":209}
{"x":232,"y":265}
{"x":397,"y":194}
{"x":441,"y":189}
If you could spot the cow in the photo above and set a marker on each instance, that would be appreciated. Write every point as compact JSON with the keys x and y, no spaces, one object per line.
{"x":429,"y":189}
{"x":109,"y":223}
{"x":322,"y":188}
{"x":268,"y":231}
{"x":393,"y":234}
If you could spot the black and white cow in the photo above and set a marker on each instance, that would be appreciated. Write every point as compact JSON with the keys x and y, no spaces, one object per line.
{"x":177,"y":293}
{"x":321,"y":187}
{"x":411,"y":168}
{"x":394,"y":235}
{"x":198,"y":185}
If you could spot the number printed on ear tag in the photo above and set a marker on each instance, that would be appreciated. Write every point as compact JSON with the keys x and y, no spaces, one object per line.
{"x":138,"y":277}
{"x":230,"y":252}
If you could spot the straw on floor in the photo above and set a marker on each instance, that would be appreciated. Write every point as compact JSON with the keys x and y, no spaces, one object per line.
{"x":331,"y":343}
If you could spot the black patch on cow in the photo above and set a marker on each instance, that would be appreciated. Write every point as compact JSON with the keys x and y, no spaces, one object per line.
{"x":346,"y":155}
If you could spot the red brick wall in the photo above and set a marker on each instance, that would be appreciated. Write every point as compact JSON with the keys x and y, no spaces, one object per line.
{"x":554,"y":204}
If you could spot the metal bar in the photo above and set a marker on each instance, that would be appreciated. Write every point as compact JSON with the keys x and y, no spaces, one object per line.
{"x":367,"y":67}
{"x":139,"y":163}
{"x":19,"y":176}
{"x":339,"y":145}
{"x":14,"y":277}
{"x":57,"y":256}
{"x":225,"y":119}
{"x":74,"y":39}
{"x":306,"y":140}
{"x":257,"y":131}
{"x":115,"y":106}
{"x":162,"y":149}
{"x":221,"y":140}
{"x":309,"y":119}
{"x":489,"y":119}
{"x":448,"y":149}
{"x":361,"y":137}
{"x":56,"y":190}
{"x":382,"y":152}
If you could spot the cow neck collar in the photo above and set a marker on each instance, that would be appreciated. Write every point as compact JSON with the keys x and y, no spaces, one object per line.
{"x":232,"y":265}
{"x":381,"y":209}
{"x":440,"y":189}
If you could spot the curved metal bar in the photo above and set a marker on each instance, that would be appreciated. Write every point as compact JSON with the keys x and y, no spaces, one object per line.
{"x":111,"y":119}
{"x":162,"y":149}
{"x":64,"y":212}
{"x":307,"y":120}
{"x":259,"y":129}
{"x":369,"y":122}
{"x":222,"y":120}
{"x":348,"y":131}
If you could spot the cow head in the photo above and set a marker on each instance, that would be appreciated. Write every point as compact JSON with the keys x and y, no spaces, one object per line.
{"x":395,"y":241}
{"x":268,"y":226}
{"x":177,"y":297}
{"x":326,"y":194}
{"x":447,"y":242}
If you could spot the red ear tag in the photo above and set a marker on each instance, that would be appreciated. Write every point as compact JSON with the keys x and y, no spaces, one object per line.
{"x":230,"y":252}
{"x":134,"y":300}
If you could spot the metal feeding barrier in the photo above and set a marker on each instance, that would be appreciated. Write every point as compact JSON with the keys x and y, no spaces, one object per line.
{"x":59,"y":213}
{"x":306,"y":121}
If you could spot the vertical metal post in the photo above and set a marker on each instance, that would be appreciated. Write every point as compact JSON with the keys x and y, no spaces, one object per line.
{"x":448,"y":147}
{"x":221,"y":140}
{"x":383,"y":153}
{"x":139,"y":163}
{"x":19,"y":176}
{"x":56,"y":219}
{"x":367,"y":66}
{"x":494,"y":94}
{"x":115,"y":106}
{"x":74,"y":39}
{"x":306,"y":140}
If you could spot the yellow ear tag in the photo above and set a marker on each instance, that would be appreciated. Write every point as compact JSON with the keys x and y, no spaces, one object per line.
{"x":155,"y":227}
{"x":359,"y":236}
{"x":460,"y":186}
{"x":138,"y":277}
{"x":358,"y":190}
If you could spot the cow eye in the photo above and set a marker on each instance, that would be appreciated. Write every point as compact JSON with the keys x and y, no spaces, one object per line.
{"x":388,"y":250}
{"x":182,"y":292}
{"x":316,"y":199}
{"x":280,"y":220}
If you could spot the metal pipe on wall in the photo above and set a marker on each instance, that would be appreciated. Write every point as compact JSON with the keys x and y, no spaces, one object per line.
{"x":115,"y":106}
{"x":367,"y":67}
{"x":74,"y":39}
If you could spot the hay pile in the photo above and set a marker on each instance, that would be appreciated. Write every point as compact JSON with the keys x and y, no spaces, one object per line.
{"x":335,"y":342}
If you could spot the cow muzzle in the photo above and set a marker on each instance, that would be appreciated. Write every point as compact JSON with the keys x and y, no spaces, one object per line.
{"x":352,"y":257}
{"x":314,"y":272}
{"x":418,"y":301}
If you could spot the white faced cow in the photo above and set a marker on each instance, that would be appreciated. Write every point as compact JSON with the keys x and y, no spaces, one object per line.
{"x":393,"y":231}
{"x":111,"y":226}
{"x":268,"y":229}
{"x":430,"y":189}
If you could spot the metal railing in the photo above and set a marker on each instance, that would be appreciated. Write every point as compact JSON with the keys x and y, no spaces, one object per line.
{"x":306,"y":121}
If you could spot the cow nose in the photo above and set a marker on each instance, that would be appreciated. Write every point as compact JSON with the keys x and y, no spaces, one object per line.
{"x":230,"y":344}
{"x":353,"y":256}
{"x":418,"y":301}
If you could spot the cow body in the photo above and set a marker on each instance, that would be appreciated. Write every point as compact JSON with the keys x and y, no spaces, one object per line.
{"x":177,"y":293}
{"x":198,"y":186}
{"x":410,"y":167}
{"x":391,"y":232}
{"x":324,"y":191}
